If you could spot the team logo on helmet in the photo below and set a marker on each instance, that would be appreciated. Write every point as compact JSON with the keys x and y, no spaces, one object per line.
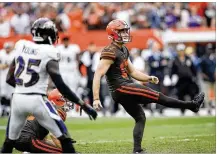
{"x":44,"y":31}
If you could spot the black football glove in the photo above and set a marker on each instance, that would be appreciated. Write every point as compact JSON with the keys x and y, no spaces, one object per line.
{"x":89,"y":110}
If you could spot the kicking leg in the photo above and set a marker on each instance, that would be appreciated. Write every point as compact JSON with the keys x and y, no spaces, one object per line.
{"x":147,"y":95}
{"x":137,"y":112}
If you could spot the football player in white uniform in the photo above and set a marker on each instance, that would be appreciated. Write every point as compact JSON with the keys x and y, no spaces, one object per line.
{"x":6,"y":57}
{"x":29,"y":73}
{"x":69,"y":63}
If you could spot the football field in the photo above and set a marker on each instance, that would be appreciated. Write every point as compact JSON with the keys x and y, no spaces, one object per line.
{"x":162,"y":135}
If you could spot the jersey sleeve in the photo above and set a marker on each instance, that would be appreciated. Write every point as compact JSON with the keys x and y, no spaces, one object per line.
{"x":108,"y":53}
{"x":51,"y":54}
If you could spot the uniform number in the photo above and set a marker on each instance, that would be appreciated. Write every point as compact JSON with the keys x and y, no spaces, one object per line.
{"x":34,"y":75}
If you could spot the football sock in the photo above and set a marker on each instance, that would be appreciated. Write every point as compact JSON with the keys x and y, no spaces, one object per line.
{"x":138,"y":133}
{"x":67,"y":145}
{"x":8,"y":146}
{"x":174,"y":103}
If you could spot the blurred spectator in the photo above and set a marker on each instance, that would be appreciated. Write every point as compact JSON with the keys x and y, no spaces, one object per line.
{"x":157,"y":64}
{"x":4,"y":26}
{"x":184,"y":18}
{"x":65,"y":20}
{"x":184,"y":75}
{"x":190,"y":52}
{"x":107,"y":17}
{"x":124,"y":12}
{"x":210,"y":14}
{"x":20,"y":22}
{"x":208,"y":68}
{"x":201,"y":6}
{"x":194,"y":20}
{"x":69,"y":62}
{"x":92,"y":16}
{"x":146,"y":53}
{"x":138,"y":62}
{"x":6,"y":57}
{"x":170,"y":18}
{"x":153,"y":16}
{"x":87,"y":60}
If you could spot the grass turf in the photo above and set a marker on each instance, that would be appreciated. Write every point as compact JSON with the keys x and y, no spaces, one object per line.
{"x":162,"y":135}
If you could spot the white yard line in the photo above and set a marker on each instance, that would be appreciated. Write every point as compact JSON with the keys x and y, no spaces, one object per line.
{"x":186,"y":139}
{"x":2,"y":127}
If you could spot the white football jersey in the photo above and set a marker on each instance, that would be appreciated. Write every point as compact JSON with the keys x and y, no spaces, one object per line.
{"x":68,"y":62}
{"x":31,"y":59}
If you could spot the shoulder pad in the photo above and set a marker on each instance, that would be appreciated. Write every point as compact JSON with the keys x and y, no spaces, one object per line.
{"x":109,"y":52}
{"x":53,"y":53}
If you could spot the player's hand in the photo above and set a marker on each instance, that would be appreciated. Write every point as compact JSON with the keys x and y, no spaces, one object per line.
{"x":90,"y":111}
{"x":154,"y":79}
{"x":97,"y":105}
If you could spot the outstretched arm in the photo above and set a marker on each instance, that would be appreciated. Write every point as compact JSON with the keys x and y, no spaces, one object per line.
{"x":139,"y":75}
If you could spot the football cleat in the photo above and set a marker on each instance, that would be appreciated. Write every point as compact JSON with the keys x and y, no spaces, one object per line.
{"x":198,"y":100}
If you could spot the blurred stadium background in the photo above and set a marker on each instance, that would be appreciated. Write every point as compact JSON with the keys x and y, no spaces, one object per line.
{"x":174,"y":41}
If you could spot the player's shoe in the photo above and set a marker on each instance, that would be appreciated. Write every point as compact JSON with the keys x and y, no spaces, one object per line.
{"x":198,"y":100}
{"x":141,"y":151}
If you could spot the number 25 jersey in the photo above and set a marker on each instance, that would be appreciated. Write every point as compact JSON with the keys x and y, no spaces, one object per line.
{"x":31,"y":60}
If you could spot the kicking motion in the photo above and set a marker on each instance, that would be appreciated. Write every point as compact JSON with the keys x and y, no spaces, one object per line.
{"x":115,"y":64}
{"x":29,"y":73}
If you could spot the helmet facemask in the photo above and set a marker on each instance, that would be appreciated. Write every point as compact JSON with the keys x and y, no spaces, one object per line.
{"x":67,"y":106}
{"x":122,"y":36}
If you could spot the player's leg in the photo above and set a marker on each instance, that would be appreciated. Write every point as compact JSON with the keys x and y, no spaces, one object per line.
{"x":16,"y":122}
{"x":137,"y":112}
{"x":40,"y":146}
{"x":147,"y":95}
{"x":47,"y":116}
{"x":181,"y":92}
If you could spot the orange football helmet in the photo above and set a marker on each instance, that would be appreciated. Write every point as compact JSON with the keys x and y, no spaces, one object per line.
{"x":56,"y":98}
{"x":62,"y":104}
{"x":115,"y":29}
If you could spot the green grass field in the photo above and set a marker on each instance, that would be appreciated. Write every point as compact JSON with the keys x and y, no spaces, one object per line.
{"x":162,"y":135}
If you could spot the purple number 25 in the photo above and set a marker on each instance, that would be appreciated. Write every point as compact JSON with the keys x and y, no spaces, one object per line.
{"x":34,"y":75}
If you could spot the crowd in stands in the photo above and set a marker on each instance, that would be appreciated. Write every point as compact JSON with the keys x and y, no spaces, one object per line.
{"x":16,"y":18}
